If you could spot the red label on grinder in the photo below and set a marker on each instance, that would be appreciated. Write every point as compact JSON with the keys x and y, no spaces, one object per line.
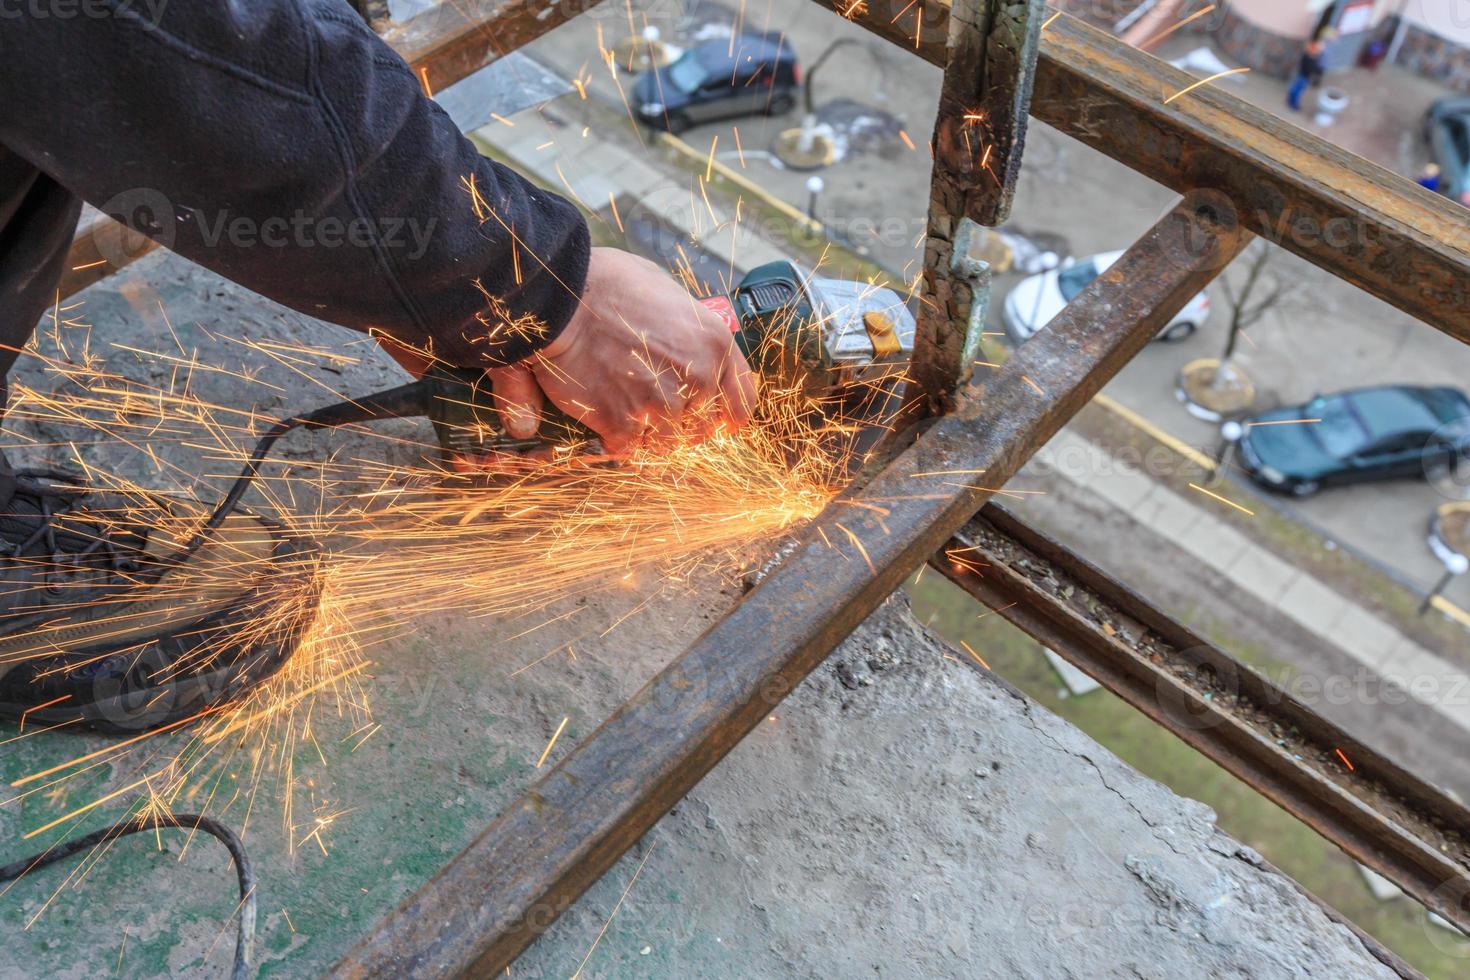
{"x":726,"y":310}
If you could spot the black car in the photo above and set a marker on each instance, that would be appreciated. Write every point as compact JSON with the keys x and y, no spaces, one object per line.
{"x":1394,"y":431}
{"x":741,"y":76}
{"x":1447,"y":131}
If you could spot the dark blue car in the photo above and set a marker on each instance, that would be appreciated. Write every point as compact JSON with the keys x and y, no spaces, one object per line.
{"x":741,"y":76}
{"x":1384,"y":433}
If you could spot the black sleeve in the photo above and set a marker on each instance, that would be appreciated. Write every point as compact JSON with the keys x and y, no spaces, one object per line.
{"x":282,"y":144}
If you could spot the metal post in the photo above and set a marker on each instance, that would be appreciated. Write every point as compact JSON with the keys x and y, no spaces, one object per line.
{"x":1452,"y":570}
{"x":978,"y":137}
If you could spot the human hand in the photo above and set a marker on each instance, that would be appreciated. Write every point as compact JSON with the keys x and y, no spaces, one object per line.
{"x":640,"y":361}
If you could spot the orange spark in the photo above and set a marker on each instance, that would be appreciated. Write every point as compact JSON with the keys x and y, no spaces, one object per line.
{"x":1230,"y":503}
{"x":1204,"y":81}
{"x":554,"y":736}
{"x":972,"y":653}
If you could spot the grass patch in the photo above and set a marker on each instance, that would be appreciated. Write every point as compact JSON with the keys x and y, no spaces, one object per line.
{"x":1250,"y":818}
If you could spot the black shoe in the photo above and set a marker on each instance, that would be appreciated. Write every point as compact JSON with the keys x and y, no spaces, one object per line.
{"x":108,"y":620}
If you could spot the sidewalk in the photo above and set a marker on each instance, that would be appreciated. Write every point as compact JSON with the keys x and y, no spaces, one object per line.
{"x":1370,"y":641}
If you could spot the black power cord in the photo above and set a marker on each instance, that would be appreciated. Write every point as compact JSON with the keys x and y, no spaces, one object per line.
{"x":182,"y":821}
{"x":406,"y":400}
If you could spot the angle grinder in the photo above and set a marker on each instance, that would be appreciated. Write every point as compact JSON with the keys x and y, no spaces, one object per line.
{"x":844,"y":345}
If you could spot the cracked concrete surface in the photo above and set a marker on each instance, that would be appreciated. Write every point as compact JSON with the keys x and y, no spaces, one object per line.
{"x":905,"y":814}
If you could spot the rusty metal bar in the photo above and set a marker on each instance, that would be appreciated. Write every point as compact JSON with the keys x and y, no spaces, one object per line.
{"x":442,"y":45}
{"x":1382,"y":815}
{"x":980,"y":129}
{"x":979,"y":134}
{"x":546,"y":848}
{"x":1360,"y":222}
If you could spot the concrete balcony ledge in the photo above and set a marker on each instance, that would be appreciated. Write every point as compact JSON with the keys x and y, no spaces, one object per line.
{"x":905,"y":814}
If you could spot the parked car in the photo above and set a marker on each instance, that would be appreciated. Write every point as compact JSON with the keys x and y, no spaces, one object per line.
{"x":1447,"y":131}
{"x":1383,"y":433}
{"x":1037,"y":299}
{"x":751,"y":75}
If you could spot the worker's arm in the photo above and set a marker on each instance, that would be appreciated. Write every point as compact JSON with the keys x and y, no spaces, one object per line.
{"x":282,"y":144}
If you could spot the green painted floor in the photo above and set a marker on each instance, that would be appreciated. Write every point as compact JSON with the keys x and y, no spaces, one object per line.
{"x":460,"y":735}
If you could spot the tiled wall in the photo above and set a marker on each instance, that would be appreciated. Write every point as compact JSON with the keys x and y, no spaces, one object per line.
{"x":1254,"y":47}
{"x":1434,"y":57}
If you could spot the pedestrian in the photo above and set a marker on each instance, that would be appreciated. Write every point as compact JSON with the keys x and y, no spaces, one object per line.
{"x":1429,"y":177}
{"x":1308,"y":73}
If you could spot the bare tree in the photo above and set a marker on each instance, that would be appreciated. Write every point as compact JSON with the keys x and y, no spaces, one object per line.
{"x":1260,"y":290}
{"x":1215,"y":390}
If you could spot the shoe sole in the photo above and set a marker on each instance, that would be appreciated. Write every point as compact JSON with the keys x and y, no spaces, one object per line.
{"x":178,"y":699}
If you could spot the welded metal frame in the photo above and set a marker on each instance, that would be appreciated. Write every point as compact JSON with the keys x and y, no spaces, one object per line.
{"x":1241,"y":172}
{"x":1379,"y":813}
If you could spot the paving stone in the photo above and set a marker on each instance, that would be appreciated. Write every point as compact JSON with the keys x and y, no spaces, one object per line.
{"x":1433,"y":682}
{"x":1312,"y":604}
{"x":1072,"y":457}
{"x":1405,"y":647}
{"x":1123,"y":488}
{"x":1262,"y":574}
{"x":1167,"y":514}
{"x":1214,"y":542}
{"x":1076,"y":681}
{"x":1382,"y":889}
{"x":1363,"y":635}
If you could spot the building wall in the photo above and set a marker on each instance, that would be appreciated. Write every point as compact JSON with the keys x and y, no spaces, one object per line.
{"x":1290,"y":19}
{"x":1248,"y":43}
{"x":1267,"y":36}
{"x":1435,"y":56}
{"x":1448,"y":20}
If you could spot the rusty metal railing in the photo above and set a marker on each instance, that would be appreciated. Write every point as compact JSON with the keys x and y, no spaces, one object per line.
{"x":1241,"y":172}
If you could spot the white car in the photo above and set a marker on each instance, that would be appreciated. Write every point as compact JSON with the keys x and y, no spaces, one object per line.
{"x":1037,"y":299}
